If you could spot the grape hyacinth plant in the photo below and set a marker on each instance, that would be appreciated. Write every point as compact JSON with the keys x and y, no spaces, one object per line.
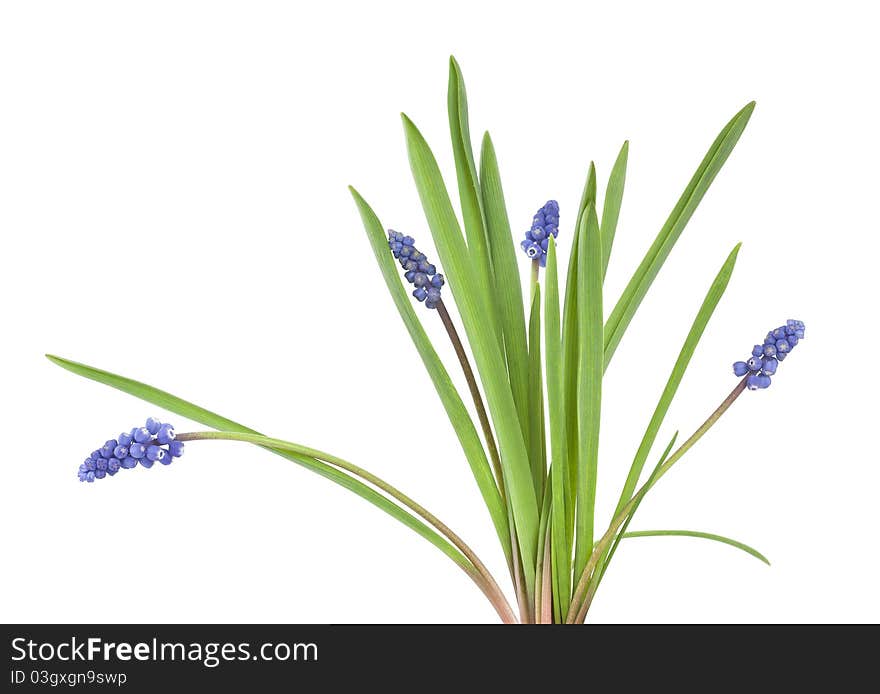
{"x":536,"y":384}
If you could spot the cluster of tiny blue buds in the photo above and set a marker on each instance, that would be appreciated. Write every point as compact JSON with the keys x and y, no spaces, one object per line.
{"x":146,"y":445}
{"x":545,"y":224}
{"x":416,"y":268}
{"x":766,"y":357}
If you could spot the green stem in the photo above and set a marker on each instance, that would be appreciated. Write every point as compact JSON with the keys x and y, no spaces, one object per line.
{"x":586,"y":589}
{"x":544,"y":609}
{"x":704,"y":427}
{"x":513,"y":559}
{"x":604,"y":563}
{"x":480,"y":574}
{"x":517,"y":575}
{"x":536,"y":269}
{"x":475,"y":392}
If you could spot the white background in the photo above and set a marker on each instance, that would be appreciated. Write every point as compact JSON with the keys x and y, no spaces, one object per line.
{"x":173,"y":207}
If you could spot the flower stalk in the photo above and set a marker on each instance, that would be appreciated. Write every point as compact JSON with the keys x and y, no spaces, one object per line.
{"x":514,"y":563}
{"x":480,"y":574}
{"x":474,"y":389}
{"x":585,"y":590}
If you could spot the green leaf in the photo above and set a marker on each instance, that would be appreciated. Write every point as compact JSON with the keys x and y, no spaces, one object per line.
{"x":452,"y":402}
{"x":560,"y":544}
{"x":713,"y":296}
{"x":537,"y":436}
{"x":510,"y":301}
{"x":543,"y":539}
{"x":571,"y":349}
{"x":622,"y":533}
{"x":469,"y":188}
{"x":706,"y":536}
{"x":613,"y":200}
{"x":606,"y":560}
{"x":570,"y":356}
{"x":465,"y":289}
{"x":589,"y":380}
{"x":644,"y":275}
{"x":588,"y":196}
{"x":709,"y":303}
{"x":181,"y":407}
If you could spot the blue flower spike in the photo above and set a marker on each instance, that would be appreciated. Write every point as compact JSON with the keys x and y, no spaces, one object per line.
{"x":545,"y":224}
{"x":765,"y":358}
{"x":417,"y":269}
{"x":154,"y":442}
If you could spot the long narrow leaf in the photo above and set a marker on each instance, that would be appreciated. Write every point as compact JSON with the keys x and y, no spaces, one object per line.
{"x":560,"y":544}
{"x":588,"y":196}
{"x":537,"y":436}
{"x":613,"y":201}
{"x":571,"y":350}
{"x":504,"y":261}
{"x":570,"y":360}
{"x":452,"y":402}
{"x":465,"y":289}
{"x":469,"y":189}
{"x":606,"y":560}
{"x":705,"y":536}
{"x":181,"y":407}
{"x":713,"y":296}
{"x":590,"y":373}
{"x":644,"y":275}
{"x":543,"y":539}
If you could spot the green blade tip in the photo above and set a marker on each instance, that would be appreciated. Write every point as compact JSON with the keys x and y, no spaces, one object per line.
{"x":747,"y":110}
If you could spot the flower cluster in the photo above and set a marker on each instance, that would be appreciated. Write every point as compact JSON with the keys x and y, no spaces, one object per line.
{"x":545,"y":224}
{"x":417,"y":270}
{"x":145,"y":445}
{"x":766,"y":357}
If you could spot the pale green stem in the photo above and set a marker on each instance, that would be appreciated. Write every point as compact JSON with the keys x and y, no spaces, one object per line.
{"x":542,"y":564}
{"x":536,"y":269}
{"x":517,"y":574}
{"x":480,"y":575}
{"x":583,"y":597}
{"x":546,"y":602}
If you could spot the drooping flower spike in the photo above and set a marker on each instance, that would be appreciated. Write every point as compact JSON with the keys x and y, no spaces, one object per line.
{"x":762,"y":365}
{"x":151,"y":443}
{"x":418,"y":270}
{"x":545,"y":224}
